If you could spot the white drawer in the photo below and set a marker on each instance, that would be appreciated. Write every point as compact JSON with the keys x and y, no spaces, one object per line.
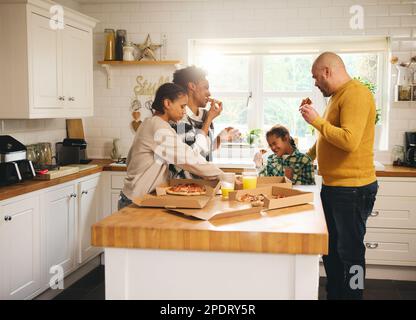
{"x":390,"y":246}
{"x":397,"y":188}
{"x":117,"y":182}
{"x":393,"y":212}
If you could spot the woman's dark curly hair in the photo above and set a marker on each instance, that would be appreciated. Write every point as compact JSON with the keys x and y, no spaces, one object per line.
{"x":169,"y":91}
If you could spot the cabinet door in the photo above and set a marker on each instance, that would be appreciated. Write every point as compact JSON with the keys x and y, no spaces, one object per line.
{"x":46,"y":68}
{"x":59,"y":219}
{"x":77,"y":71}
{"x":20,"y":249}
{"x":89,"y":212}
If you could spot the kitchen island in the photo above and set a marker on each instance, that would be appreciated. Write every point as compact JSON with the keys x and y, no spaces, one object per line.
{"x":153,"y":253}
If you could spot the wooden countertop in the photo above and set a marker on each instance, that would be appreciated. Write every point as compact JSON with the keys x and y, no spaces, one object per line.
{"x":104,"y":165}
{"x":293,"y":230}
{"x":389,"y":171}
{"x":392,"y":171}
{"x":27,"y":186}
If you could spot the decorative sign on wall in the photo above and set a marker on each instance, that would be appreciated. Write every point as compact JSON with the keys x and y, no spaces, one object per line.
{"x":141,"y":105}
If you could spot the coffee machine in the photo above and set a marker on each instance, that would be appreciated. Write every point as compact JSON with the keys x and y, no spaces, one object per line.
{"x":410,"y":146}
{"x":71,"y":151}
{"x":14,"y":167}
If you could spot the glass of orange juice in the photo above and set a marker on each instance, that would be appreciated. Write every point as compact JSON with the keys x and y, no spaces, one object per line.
{"x":227,"y":184}
{"x":249,"y":179}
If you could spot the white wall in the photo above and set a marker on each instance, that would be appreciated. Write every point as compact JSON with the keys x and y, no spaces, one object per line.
{"x":227,"y":19}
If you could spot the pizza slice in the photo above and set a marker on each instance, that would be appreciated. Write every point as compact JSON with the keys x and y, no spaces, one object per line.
{"x":256,"y":200}
{"x":306,"y":101}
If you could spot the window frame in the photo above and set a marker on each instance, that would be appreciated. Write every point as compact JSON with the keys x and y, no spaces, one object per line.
{"x":255,"y":112}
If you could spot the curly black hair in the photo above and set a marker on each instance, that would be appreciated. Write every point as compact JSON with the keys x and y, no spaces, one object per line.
{"x":192,"y":74}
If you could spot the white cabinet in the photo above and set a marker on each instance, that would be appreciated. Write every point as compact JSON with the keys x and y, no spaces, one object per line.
{"x":58,"y":216}
{"x":391,"y":227}
{"x":77,"y":71}
{"x":47,"y":72}
{"x":47,"y":228}
{"x":20,"y":249}
{"x":113,"y":182}
{"x":46,"y":66}
{"x":89,"y":212}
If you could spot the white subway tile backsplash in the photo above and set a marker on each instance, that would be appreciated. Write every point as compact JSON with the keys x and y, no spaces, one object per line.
{"x":376,"y":10}
{"x":408,"y":21}
{"x":401,"y":10}
{"x":334,"y":12}
{"x":388,"y":22}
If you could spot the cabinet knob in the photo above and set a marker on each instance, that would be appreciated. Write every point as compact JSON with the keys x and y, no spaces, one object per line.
{"x":7,"y":218}
{"x":84,"y":192}
{"x":73,"y":195}
{"x":374,"y":214}
{"x":71,"y":99}
{"x":61,"y":98}
{"x":371,"y":245}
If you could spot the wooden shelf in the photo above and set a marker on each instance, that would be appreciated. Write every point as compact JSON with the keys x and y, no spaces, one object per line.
{"x":141,"y":62}
{"x":107,"y":66}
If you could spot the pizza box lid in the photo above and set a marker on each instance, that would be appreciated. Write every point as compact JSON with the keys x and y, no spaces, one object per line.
{"x":163,"y":200}
{"x":283,"y":182}
{"x":218,"y":208}
{"x":292,"y":197}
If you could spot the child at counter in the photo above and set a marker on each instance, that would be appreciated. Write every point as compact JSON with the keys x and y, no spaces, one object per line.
{"x":286,"y":159}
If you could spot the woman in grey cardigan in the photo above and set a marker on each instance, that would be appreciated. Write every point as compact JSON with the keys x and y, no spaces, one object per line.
{"x":156,"y":145}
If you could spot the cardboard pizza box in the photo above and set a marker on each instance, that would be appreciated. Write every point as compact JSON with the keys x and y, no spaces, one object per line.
{"x":219,"y":208}
{"x":292,"y":197}
{"x":163,"y":200}
{"x":283,"y":182}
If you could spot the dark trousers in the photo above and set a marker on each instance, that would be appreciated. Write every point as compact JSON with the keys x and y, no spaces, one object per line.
{"x":346,"y":211}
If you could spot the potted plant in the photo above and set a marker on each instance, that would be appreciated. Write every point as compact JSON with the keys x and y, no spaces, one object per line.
{"x":253,"y":137}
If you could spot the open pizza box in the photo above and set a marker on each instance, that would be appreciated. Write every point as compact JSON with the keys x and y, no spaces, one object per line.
{"x":287,"y":197}
{"x":283,"y":182}
{"x":163,"y":200}
{"x":220,"y":208}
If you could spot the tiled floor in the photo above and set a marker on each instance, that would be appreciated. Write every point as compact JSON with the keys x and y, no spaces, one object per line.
{"x":91,"y":287}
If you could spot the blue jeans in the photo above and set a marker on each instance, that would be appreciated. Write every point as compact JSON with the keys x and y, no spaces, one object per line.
{"x":346,"y":211}
{"x":123,"y":201}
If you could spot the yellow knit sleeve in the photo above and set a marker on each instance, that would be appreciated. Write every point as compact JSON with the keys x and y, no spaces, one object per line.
{"x":354,"y":108}
{"x":312,"y":152}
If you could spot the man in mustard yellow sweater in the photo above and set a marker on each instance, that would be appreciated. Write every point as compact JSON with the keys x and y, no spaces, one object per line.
{"x":344,"y":151}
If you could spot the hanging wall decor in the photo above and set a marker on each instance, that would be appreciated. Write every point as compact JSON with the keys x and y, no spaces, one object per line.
{"x":141,"y":105}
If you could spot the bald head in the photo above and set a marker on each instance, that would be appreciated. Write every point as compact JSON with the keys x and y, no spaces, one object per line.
{"x":330,"y":60}
{"x":329,"y":73}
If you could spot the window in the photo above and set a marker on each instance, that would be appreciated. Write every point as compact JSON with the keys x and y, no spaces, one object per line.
{"x":262,"y":84}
